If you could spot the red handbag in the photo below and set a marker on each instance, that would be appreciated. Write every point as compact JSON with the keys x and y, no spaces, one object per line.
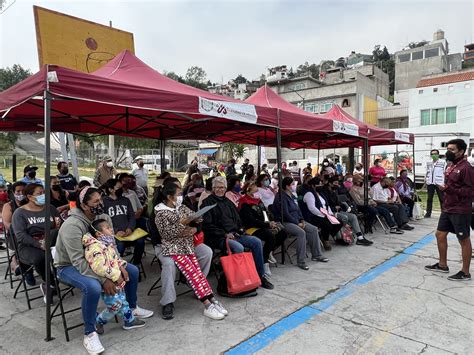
{"x":240,"y":271}
{"x":198,"y":238}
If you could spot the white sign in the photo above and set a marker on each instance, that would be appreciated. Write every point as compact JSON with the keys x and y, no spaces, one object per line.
{"x":346,"y":128}
{"x":404,"y":137}
{"x":230,"y":110}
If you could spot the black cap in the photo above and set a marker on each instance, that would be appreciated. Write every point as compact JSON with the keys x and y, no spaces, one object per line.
{"x":29,"y":168}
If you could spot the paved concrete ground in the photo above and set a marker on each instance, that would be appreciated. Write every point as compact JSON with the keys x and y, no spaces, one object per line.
{"x":404,"y":310}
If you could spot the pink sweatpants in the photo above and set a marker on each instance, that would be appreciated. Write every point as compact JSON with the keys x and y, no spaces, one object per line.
{"x":189,"y":267}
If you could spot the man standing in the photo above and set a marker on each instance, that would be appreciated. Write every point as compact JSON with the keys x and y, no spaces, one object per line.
{"x":295,"y":172}
{"x":104,"y":172}
{"x":456,"y":212}
{"x":434,"y":175}
{"x":141,"y":174}
{"x":230,"y":169}
{"x":68,"y":181}
{"x":29,"y":175}
{"x":244,"y":167}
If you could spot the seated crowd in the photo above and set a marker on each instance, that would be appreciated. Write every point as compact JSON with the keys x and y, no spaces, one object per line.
{"x":93,"y":229}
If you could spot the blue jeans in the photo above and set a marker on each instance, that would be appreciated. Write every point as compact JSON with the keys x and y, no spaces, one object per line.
{"x":91,"y":290}
{"x":238,"y":244}
{"x":139,"y":248}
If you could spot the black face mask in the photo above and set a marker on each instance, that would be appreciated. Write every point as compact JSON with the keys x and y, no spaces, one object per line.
{"x":141,"y":165}
{"x":56,"y":187}
{"x":119,"y":192}
{"x":450,"y":156}
{"x":64,"y":171}
{"x":32,"y":174}
{"x":98,"y":210}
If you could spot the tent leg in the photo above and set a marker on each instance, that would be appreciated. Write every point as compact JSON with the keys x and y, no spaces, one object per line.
{"x":413,"y":167}
{"x":162,"y":155}
{"x":259,"y":156}
{"x":365,"y":160}
{"x":47,"y":211}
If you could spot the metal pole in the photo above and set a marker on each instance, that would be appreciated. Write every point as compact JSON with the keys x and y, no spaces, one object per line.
{"x":395,"y":162}
{"x":317,"y":164}
{"x":72,"y":150}
{"x":413,"y":164}
{"x":112,"y":147}
{"x":365,"y":160}
{"x":47,"y":211}
{"x":162,"y":155}
{"x":14,"y":167}
{"x":259,"y":156}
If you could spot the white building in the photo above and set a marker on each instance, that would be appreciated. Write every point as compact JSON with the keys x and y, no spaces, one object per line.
{"x":443,"y":103}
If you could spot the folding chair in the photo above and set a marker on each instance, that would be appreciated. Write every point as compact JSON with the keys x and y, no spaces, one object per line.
{"x":8,"y":258}
{"x":155,"y":285}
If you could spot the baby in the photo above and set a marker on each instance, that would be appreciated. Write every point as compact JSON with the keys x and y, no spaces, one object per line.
{"x":104,"y":260}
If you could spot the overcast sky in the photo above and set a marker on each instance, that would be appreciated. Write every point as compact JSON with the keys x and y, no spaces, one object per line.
{"x":227,"y":38}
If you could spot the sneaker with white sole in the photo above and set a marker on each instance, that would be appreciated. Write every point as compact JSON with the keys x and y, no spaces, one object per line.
{"x":266,"y":268}
{"x":137,"y":323}
{"x":92,"y":343}
{"x":271,"y":259}
{"x":212,"y":312}
{"x":460,"y":276}
{"x":220,"y":307}
{"x":142,"y":313}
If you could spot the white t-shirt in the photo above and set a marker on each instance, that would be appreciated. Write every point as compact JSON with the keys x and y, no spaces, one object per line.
{"x":379,"y":193}
{"x":266,"y":195}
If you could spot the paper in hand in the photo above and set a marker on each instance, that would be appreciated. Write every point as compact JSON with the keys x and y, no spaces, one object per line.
{"x":201,"y":212}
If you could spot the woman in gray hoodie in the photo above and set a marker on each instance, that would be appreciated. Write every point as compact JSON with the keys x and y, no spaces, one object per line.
{"x":74,"y":269}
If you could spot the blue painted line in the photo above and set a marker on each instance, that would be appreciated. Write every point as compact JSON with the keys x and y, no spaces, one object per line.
{"x":301,"y":316}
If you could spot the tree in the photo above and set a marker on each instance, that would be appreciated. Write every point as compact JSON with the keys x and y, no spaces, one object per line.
{"x":240,"y":79}
{"x":174,"y":76}
{"x":307,"y":69}
{"x":384,"y":60}
{"x":234,"y":150}
{"x":12,"y":76}
{"x":7,"y":141}
{"x":196,"y":76}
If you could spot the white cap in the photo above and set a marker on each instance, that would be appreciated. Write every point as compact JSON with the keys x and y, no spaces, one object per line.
{"x":138,"y":158}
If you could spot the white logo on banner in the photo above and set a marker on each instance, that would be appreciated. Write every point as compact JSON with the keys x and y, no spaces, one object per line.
{"x":404,"y":137}
{"x":346,"y":128}
{"x":231,"y":110}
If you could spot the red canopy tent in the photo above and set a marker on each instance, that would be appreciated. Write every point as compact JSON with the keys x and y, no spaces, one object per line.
{"x":305,"y":129}
{"x":376,"y":135}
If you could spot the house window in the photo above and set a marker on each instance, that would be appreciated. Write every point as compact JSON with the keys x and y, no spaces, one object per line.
{"x":435,"y":89}
{"x":438,"y":116}
{"x":299,"y":86}
{"x":417,"y":55}
{"x":450,"y":114}
{"x":326,"y":107}
{"x":433,"y":52}
{"x":346,"y":103}
{"x":311,"y":108}
{"x":425,"y":117}
{"x":420,"y":91}
{"x":394,"y":125}
{"x":404,"y":58}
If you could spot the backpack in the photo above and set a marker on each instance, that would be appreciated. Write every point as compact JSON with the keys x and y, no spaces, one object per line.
{"x":346,"y":233}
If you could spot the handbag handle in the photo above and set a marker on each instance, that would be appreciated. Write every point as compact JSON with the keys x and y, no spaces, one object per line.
{"x":229,"y":252}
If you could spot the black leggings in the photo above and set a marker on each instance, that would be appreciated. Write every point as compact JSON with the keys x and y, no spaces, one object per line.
{"x":271,"y":241}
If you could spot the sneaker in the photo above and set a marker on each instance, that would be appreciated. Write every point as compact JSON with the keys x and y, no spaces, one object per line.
{"x":364,"y":242}
{"x":92,"y":343}
{"x":303,"y":266}
{"x":406,"y":227}
{"x":436,"y":267}
{"x":266,"y":284}
{"x":136,"y":323}
{"x":460,"y":276}
{"x":322,"y":259}
{"x":167,"y":311}
{"x":266,"y":267}
{"x":99,"y":328}
{"x":395,"y":230}
{"x":220,"y":307}
{"x":212,"y":312}
{"x":271,"y":259}
{"x":18,"y":272}
{"x":142,"y":313}
{"x":326,"y":245}
{"x":30,"y":278}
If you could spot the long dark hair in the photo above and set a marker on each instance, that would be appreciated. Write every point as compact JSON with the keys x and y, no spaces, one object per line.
{"x":232,"y":181}
{"x":87,"y":196}
{"x":11,"y":190}
{"x":157,"y":193}
{"x":109,"y":185}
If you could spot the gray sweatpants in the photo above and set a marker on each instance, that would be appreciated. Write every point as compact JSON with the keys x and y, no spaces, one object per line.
{"x":350,"y":219}
{"x":309,"y":234}
{"x":169,"y":269}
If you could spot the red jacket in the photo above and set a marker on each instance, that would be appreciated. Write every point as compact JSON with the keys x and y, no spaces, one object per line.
{"x":459,"y":192}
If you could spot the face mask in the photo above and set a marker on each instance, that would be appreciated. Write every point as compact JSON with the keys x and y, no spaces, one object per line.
{"x":64,"y":171}
{"x":110,"y":164}
{"x":40,"y":200}
{"x":358,"y":167}
{"x":32,"y":174}
{"x":266,"y":183}
{"x":119,"y":192}
{"x":237,"y":188}
{"x":349,"y":179}
{"x":132,"y":185}
{"x":98,"y":210}
{"x":450,"y":156}
{"x":179,"y":201}
{"x":56,"y":187}
{"x":434,"y":157}
{"x":326,"y":164}
{"x":20,"y":197}
{"x":293,"y":188}
{"x":404,"y":177}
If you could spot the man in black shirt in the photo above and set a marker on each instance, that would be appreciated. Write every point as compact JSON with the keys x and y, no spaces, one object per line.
{"x":68,"y":181}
